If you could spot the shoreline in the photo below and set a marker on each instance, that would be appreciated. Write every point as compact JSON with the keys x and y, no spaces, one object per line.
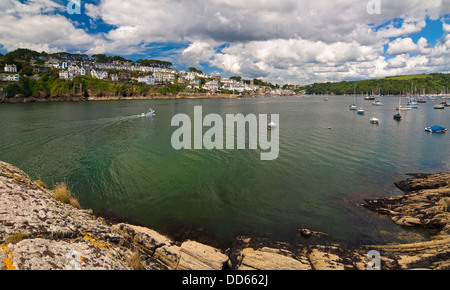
{"x":37,"y":233}
{"x":113,"y":97}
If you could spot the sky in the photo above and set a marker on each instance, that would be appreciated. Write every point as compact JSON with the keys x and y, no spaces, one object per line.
{"x":284,"y":41}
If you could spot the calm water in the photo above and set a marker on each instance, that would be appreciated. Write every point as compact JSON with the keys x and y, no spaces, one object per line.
{"x":124,"y":165}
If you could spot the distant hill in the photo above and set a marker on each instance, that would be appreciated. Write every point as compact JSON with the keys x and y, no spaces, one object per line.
{"x":396,"y":85}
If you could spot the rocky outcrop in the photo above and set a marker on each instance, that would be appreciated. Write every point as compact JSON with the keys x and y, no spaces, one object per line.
{"x":425,"y":205}
{"x":39,"y":233}
{"x":262,"y":254}
{"x":189,"y":255}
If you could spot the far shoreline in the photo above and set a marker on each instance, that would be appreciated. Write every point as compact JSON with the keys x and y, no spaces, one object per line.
{"x":182,"y":96}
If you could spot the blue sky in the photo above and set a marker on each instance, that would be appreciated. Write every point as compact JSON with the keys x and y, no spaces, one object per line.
{"x":287,"y":41}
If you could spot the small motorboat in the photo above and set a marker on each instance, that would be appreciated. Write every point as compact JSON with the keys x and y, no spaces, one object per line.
{"x":375,"y":121}
{"x":412,"y":105}
{"x":353,"y":107}
{"x":361,"y":112}
{"x":150,"y":113}
{"x":398,"y":117}
{"x":403,"y":108}
{"x":439,"y":107}
{"x":377,"y":103}
{"x":436,"y":129}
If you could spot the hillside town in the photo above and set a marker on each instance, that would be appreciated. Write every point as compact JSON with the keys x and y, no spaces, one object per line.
{"x":125,"y":71}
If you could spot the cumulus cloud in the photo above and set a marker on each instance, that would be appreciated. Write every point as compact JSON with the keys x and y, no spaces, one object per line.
{"x":37,"y":24}
{"x":401,"y":46}
{"x":198,"y":52}
{"x":296,"y":41}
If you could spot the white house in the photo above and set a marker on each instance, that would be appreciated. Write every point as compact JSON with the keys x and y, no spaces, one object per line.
{"x":63,"y":65}
{"x":163,"y":78}
{"x":148,"y":80}
{"x":10,"y":68}
{"x":234,"y":86}
{"x":99,"y":74}
{"x":212,"y":85}
{"x":114,"y":77}
{"x":10,"y":78}
{"x":195,"y":84}
{"x":66,"y":75}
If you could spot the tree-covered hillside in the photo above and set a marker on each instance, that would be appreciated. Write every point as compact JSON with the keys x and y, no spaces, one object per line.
{"x":430,"y":84}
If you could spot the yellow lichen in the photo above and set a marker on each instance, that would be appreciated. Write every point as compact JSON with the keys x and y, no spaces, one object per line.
{"x":18,"y":178}
{"x":8,"y":262}
{"x":96,"y":242}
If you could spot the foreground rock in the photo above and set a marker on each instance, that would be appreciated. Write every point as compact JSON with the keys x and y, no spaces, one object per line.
{"x":39,"y":233}
{"x":425,"y":205}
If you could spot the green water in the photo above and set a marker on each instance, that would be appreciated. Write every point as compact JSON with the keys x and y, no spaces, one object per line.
{"x":124,"y":166}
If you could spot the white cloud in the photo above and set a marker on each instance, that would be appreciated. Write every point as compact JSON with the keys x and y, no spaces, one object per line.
{"x":197,"y":53}
{"x":36,"y":25}
{"x":407,"y":28}
{"x":401,"y":46}
{"x":295,"y":41}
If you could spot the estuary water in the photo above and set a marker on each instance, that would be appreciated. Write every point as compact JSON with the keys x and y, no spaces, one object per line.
{"x":330,"y":161}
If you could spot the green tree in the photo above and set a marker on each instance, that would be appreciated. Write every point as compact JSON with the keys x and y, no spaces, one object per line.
{"x":193,"y":69}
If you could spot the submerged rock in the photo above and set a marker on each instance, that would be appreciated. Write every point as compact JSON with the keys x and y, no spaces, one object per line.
{"x":306,"y":233}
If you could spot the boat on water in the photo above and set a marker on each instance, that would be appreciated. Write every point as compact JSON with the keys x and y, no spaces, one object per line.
{"x":436,"y":129}
{"x":439,"y":107}
{"x":377,"y":103}
{"x":354,"y":107}
{"x":403,"y":108}
{"x":375,"y":121}
{"x":369,"y":98}
{"x":412,"y":106}
{"x":412,"y":103}
{"x":149,"y":113}
{"x":398,"y":117}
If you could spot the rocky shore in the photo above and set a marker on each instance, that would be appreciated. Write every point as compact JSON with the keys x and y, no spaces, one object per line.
{"x":37,"y":232}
